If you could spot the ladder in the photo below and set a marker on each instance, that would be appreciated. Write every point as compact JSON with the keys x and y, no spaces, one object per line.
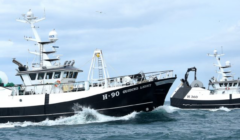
{"x":100,"y":70}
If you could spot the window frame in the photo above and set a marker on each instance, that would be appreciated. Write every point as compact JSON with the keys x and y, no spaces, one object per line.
{"x":42,"y":77}
{"x":51,"y":76}
{"x":75,"y":74}
{"x":221,"y":84}
{"x":60,"y":73}
{"x":66,"y":75}
{"x":225,"y":84}
{"x":31,"y":77}
{"x":69,"y":75}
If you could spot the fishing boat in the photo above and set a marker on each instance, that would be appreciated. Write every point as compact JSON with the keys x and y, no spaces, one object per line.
{"x":222,"y":92}
{"x":50,"y":89}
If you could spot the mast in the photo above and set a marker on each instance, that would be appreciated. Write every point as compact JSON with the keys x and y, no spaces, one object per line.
{"x":101,"y":67}
{"x":30,"y":19}
{"x":221,"y":68}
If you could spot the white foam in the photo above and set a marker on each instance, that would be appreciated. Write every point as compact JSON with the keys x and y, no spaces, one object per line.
{"x":221,"y":109}
{"x":168,"y":108}
{"x":6,"y":125}
{"x":85,"y":116}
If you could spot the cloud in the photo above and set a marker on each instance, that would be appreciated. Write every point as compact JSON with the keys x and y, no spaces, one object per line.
{"x":134,"y":35}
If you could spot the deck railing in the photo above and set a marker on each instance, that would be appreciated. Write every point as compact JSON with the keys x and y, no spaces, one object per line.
{"x":54,"y":88}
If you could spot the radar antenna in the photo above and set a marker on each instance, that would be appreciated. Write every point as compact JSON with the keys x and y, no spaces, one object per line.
{"x":221,"y":68}
{"x":31,"y":19}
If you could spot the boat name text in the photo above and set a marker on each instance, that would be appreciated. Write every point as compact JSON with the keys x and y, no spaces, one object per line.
{"x":192,"y":96}
{"x":112,"y":95}
{"x":130,"y":90}
{"x":145,"y":86}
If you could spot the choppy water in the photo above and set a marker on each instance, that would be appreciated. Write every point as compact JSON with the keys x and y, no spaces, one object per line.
{"x":165,"y":122}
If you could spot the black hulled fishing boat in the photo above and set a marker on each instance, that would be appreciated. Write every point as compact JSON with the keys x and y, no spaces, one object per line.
{"x":50,"y":90}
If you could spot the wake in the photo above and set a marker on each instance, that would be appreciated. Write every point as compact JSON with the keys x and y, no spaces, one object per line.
{"x":221,"y":109}
{"x":87,"y":116}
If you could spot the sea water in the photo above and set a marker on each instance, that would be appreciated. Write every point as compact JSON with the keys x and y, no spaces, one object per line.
{"x":164,"y":123}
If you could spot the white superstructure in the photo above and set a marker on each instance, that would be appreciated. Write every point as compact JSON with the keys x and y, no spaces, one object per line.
{"x":225,"y":82}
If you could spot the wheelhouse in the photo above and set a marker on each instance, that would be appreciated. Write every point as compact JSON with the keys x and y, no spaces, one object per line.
{"x":67,"y":74}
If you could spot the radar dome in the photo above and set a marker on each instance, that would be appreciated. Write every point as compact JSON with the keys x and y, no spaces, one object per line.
{"x":3,"y":78}
{"x":29,"y":14}
{"x":53,"y":36}
{"x":215,"y":52}
{"x":228,"y":63}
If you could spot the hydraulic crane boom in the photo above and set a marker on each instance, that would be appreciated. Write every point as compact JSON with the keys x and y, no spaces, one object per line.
{"x":187,"y":73}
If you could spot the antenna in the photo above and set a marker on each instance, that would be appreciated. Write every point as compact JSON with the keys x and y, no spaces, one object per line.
{"x":29,"y":18}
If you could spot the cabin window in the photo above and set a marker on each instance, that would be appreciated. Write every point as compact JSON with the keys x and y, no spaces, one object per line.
{"x":57,"y":75}
{"x":221,"y":84}
{"x":70,"y":75}
{"x":75,"y":75}
{"x":230,"y":84}
{"x":40,"y":76}
{"x":65,"y":75}
{"x":32,"y":76}
{"x":234,"y":84}
{"x":239,"y":84}
{"x":225,"y":84}
{"x":49,"y":75}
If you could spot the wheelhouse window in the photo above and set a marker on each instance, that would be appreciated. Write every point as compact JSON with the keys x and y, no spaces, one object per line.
{"x":230,"y":84}
{"x":70,"y":75}
{"x":75,"y":75}
{"x":221,"y":84}
{"x":49,"y":75}
{"x":239,"y":84}
{"x":40,"y":76}
{"x":57,"y":75}
{"x":235,"y":84}
{"x":225,"y":84}
{"x":65,"y":75}
{"x":32,"y":76}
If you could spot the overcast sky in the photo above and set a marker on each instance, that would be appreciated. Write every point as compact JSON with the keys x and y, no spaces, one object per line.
{"x":135,"y":35}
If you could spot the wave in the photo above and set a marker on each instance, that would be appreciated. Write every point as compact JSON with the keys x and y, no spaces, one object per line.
{"x":221,"y":109}
{"x":86,"y":116}
{"x":167,"y":109}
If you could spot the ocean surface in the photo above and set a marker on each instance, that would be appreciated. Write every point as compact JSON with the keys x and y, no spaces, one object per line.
{"x":164,"y":123}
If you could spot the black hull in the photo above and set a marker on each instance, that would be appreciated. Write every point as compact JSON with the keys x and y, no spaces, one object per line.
{"x":201,"y":104}
{"x":142,"y":97}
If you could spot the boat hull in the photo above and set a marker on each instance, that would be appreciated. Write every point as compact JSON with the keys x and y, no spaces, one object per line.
{"x":205,"y":104}
{"x":199,"y":98}
{"x":119,"y":102}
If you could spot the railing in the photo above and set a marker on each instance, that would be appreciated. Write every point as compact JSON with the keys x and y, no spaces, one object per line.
{"x":55,"y":88}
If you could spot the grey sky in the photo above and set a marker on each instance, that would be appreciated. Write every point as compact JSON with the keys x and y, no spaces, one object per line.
{"x":135,"y":35}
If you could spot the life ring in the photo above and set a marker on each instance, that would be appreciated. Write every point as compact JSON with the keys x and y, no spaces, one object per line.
{"x":57,"y":83}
